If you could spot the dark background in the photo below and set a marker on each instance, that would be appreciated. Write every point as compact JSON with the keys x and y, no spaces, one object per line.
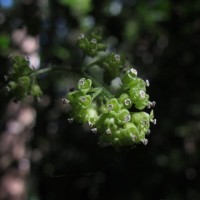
{"x":162,"y":39}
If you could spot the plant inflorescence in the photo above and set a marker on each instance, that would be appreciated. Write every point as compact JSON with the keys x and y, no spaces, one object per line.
{"x":118,"y":118}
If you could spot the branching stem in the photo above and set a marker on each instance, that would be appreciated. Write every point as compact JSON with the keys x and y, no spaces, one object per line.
{"x":104,"y":91}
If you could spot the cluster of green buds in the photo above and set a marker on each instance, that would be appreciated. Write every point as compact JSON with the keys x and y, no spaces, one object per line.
{"x":20,"y":80}
{"x":119,"y":119}
{"x":112,"y":118}
{"x":83,"y":102}
{"x":91,"y":44}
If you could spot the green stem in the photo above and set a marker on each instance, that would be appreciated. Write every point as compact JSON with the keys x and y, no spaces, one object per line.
{"x":97,"y":92}
{"x":52,"y":69}
{"x":41,"y":71}
{"x":102,"y":87}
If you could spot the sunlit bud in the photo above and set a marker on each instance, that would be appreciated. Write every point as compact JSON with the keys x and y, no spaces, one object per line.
{"x":81,"y":81}
{"x":133,"y":72}
{"x":127,"y":102}
{"x":70,"y":120}
{"x":108,"y":131}
{"x":144,"y":141}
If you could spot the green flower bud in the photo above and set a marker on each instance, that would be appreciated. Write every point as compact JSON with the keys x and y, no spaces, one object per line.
{"x":139,"y":98}
{"x":97,"y":34}
{"x":106,"y":123}
{"x":125,"y":101}
{"x":84,"y":85}
{"x":73,"y":97}
{"x":87,"y":115}
{"x":82,"y":41}
{"x":132,"y":131}
{"x":36,"y":91}
{"x":130,"y":81}
{"x":24,"y":81}
{"x":129,"y":76}
{"x":142,"y":121}
{"x":85,"y":101}
{"x":112,"y":105}
{"x":123,"y":116}
{"x":12,"y":85}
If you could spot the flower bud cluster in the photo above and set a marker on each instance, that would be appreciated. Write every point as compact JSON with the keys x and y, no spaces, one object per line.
{"x":20,"y":83}
{"x":113,"y":119}
{"x":112,"y":64}
{"x":83,"y":104}
{"x":91,"y":44}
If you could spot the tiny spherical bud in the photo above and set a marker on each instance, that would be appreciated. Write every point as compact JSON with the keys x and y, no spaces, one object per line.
{"x":65,"y":101}
{"x":108,"y":131}
{"x":117,"y":57}
{"x":94,"y":41}
{"x":81,"y":36}
{"x":81,"y":81}
{"x":110,"y":107}
{"x":142,"y":94}
{"x":149,"y":131}
{"x":127,"y":118}
{"x":147,"y":83}
{"x":133,"y":71}
{"x":127,"y":102}
{"x":144,"y":141}
{"x":133,"y":137}
{"x":70,"y":120}
{"x":94,"y":130}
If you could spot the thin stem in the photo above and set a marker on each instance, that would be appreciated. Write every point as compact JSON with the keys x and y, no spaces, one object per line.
{"x":96,"y":93}
{"x":52,"y":69}
{"x":41,"y":71}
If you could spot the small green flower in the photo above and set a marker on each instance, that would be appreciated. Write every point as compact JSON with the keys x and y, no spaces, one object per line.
{"x":84,"y":85}
{"x":139,"y":98}
{"x":85,"y":101}
{"x":112,"y":105}
{"x":125,"y":101}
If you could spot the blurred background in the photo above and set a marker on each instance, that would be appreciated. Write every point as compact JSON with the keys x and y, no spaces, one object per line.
{"x":43,"y":157}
